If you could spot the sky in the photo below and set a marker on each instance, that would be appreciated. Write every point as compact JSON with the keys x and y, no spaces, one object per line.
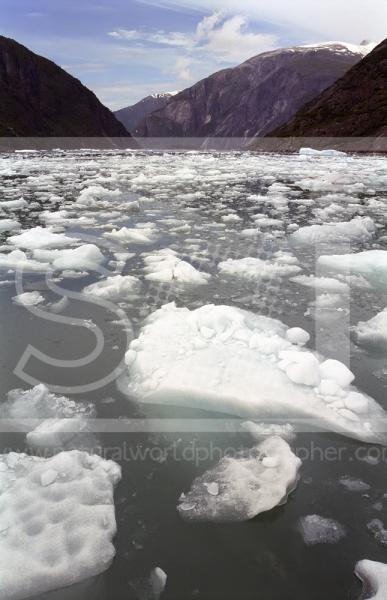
{"x":124,"y":50}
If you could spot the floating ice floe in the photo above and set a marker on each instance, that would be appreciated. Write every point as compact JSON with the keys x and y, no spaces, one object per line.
{"x":372,"y":333}
{"x":28,"y":299}
{"x":241,"y":487}
{"x":354,"y":485}
{"x":116,"y":288}
{"x":11,"y":205}
{"x":57,"y":521}
{"x":359,"y":229}
{"x":323,"y":284}
{"x":225,"y":359}
{"x":49,"y":420}
{"x":90,"y":195}
{"x":40,"y":237}
{"x":86,"y":257}
{"x":135,"y":235}
{"x":297,"y":336}
{"x":18,"y":260}
{"x":370,"y":264}
{"x":8,"y":225}
{"x":165,"y":266}
{"x":377,"y":528}
{"x":325,"y":153}
{"x":281,"y":265}
{"x":158,"y":581}
{"x":320,"y":530}
{"x":374,"y":576}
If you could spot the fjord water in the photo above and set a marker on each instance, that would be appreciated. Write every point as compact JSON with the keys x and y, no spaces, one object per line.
{"x":207,"y":207}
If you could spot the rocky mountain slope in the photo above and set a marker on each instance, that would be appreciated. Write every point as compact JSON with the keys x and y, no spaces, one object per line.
{"x":356,"y":105}
{"x":131,"y":116}
{"x":38,"y":98}
{"x":255,"y":97}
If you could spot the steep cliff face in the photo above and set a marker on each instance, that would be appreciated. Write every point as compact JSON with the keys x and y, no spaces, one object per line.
{"x":38,"y":98}
{"x":131,"y":116}
{"x":255,"y":97}
{"x":356,"y":105}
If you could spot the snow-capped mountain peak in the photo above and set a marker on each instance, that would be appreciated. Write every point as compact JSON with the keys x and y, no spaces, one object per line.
{"x":364,"y":48}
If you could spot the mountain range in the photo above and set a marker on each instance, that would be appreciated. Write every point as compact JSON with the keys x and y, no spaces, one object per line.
{"x":131,"y":116}
{"x":38,"y":98}
{"x":329,"y":89}
{"x":255,"y":97}
{"x":355,"y":105}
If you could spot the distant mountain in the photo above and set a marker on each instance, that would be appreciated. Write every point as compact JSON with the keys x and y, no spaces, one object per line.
{"x":131,"y":116}
{"x":38,"y":98}
{"x":255,"y":97}
{"x":356,"y":105}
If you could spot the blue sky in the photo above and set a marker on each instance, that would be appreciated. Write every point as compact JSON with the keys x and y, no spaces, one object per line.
{"x":125,"y":49}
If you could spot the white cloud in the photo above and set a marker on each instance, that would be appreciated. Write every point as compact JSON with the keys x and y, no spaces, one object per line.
{"x":182,"y":68}
{"x":231,"y":42}
{"x":345,"y":20}
{"x":217,"y":41}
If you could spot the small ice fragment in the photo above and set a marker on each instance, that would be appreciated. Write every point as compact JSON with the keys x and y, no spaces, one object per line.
{"x":213,"y":488}
{"x":320,"y":530}
{"x":48,"y":477}
{"x":336,"y":371}
{"x":298,"y":336}
{"x":158,"y":581}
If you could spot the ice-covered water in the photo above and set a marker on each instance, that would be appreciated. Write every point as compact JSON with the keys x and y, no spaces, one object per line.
{"x":262,"y":233}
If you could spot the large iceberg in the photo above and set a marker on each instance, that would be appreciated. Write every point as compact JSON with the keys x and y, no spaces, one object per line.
{"x":241,"y":487}
{"x":225,"y":359}
{"x":57,"y":521}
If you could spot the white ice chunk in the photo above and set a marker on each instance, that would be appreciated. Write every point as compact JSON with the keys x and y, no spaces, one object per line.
{"x":336,"y":371}
{"x":38,"y":403}
{"x":256,"y":268}
{"x":374,"y":575}
{"x":370,"y":264}
{"x":165,"y":266}
{"x":116,"y":288}
{"x":372,"y":333}
{"x":11,"y":205}
{"x":248,"y":484}
{"x":246,"y":367}
{"x":18,"y":260}
{"x":60,"y":521}
{"x":158,"y":581}
{"x":28,"y":299}
{"x":298,"y":336}
{"x":86,"y":257}
{"x":358,"y":230}
{"x":40,"y":237}
{"x":325,"y":284}
{"x":325,"y":153}
{"x":90,"y":195}
{"x":8,"y":225}
{"x":320,"y":530}
{"x":143,"y":235}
